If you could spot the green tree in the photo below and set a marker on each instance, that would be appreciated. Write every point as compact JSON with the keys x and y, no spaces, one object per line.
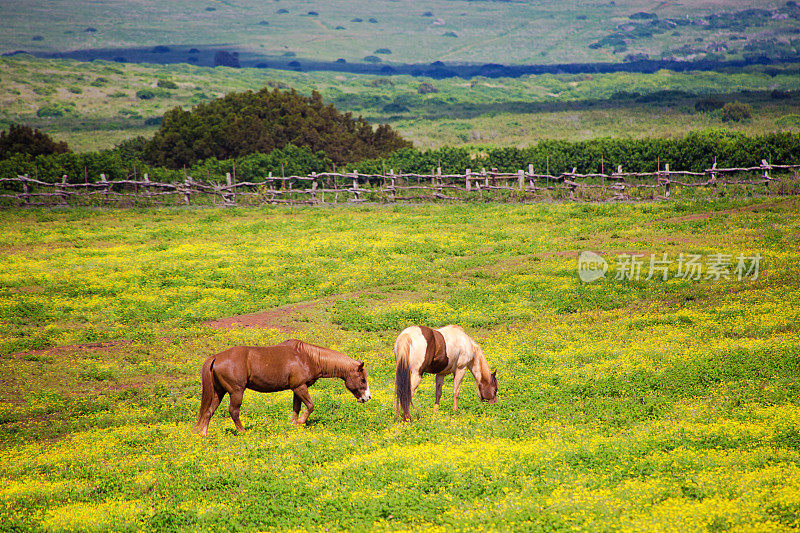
{"x":259,"y":122}
{"x":736,"y":111}
{"x":21,"y":139}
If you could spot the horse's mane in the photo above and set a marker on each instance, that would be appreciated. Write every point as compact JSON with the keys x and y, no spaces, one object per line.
{"x":331,"y":362}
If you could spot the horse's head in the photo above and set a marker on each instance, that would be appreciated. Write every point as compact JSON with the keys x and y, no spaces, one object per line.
{"x":356,"y":382}
{"x":487,"y":388}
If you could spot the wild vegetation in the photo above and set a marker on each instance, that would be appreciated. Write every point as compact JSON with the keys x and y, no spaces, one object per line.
{"x":478,"y":112}
{"x":241,"y":124}
{"x":627,"y":403}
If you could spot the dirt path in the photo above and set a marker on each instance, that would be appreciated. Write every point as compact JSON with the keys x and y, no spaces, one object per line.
{"x":703,"y":216}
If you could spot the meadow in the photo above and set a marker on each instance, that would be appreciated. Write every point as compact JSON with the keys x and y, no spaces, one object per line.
{"x":624,"y":404}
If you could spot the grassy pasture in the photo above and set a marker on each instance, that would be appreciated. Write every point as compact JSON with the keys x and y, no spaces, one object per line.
{"x":641,"y":405}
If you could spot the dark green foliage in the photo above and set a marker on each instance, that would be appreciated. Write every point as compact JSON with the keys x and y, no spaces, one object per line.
{"x":708,"y":104}
{"x":427,"y":88}
{"x":145,"y":94}
{"x":695,"y":152}
{"x":258,"y":122}
{"x":736,"y":111}
{"x":53,"y":110}
{"x":26,"y":140}
{"x":290,"y":160}
{"x":226,"y":59}
{"x":167,"y":84}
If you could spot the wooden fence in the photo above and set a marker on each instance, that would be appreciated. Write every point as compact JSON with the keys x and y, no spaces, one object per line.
{"x":332,"y":188}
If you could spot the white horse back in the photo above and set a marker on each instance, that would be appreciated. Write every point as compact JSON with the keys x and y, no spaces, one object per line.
{"x":460,"y":347}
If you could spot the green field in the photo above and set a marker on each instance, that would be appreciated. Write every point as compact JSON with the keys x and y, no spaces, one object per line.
{"x":95,"y":104}
{"x":534,"y":32}
{"x":624,"y":404}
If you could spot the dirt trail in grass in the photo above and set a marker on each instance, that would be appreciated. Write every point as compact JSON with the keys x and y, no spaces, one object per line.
{"x":703,"y":216}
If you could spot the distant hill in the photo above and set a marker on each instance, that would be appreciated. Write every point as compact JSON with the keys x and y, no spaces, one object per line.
{"x":542,"y":32}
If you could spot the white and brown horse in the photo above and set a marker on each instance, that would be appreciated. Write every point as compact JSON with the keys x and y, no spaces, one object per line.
{"x":421,"y":350}
{"x":292,"y":365}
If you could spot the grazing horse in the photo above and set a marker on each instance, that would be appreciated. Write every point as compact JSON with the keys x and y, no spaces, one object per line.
{"x":419,"y":350}
{"x":293,"y":364}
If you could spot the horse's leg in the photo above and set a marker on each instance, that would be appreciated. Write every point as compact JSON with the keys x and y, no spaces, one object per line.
{"x":236,"y":402}
{"x":218,"y":394}
{"x":459,"y":375}
{"x":439,"y":384}
{"x":416,"y":378}
{"x":302,"y":393}
{"x":296,"y":403}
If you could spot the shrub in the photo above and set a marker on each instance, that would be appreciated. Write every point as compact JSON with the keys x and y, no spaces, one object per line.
{"x":226,"y":59}
{"x":372,"y":59}
{"x":426,"y":88}
{"x":51,"y":111}
{"x":705,"y":105}
{"x":383,"y":51}
{"x":249,"y":122}
{"x":380,"y":82}
{"x":451,"y":34}
{"x":99,"y":82}
{"x":736,"y":111}
{"x":26,"y":140}
{"x":145,"y":94}
{"x":167,"y":84}
{"x":74,"y":89}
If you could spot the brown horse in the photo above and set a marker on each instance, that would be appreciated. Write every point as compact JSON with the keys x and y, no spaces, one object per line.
{"x":421,"y":350}
{"x":293,"y":364}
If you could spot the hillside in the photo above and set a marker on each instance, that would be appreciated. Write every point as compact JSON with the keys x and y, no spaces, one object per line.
{"x":95,"y":105}
{"x":390,"y":32}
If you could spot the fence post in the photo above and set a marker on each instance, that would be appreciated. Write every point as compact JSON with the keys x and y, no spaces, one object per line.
{"x":393,"y":195}
{"x":467,"y":184}
{"x":314,"y":186}
{"x":356,"y":192}
{"x":766,"y":166}
{"x":229,"y":198}
{"x":485,"y":178}
{"x":667,"y":182}
{"x":26,"y":197}
{"x":63,"y":189}
{"x":713,"y":180}
{"x":105,"y":189}
{"x":521,"y":179}
{"x":187,"y":190}
{"x":573,"y":186}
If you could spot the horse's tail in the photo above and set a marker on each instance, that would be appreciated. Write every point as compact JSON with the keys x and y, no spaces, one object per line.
{"x":402,"y":376}
{"x":207,"y":378}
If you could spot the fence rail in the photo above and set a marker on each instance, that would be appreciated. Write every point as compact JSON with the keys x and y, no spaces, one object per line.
{"x":332,"y":187}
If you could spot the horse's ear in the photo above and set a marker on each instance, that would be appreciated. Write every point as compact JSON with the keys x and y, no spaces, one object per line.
{"x":361,"y":366}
